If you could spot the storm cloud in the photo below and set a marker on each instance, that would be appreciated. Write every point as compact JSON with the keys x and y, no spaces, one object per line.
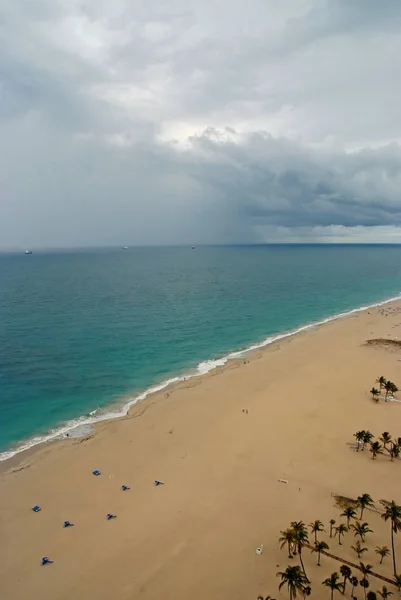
{"x":199,"y":122}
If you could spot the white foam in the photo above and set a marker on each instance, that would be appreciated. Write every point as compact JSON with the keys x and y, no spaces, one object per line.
{"x":84,"y":425}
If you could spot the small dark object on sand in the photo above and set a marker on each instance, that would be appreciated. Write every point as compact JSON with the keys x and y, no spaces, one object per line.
{"x":125,"y":488}
{"x":68,"y":524}
{"x":96,"y":472}
{"x":46,"y":561}
{"x":158,"y":482}
{"x":110,"y":516}
{"x":36,"y":508}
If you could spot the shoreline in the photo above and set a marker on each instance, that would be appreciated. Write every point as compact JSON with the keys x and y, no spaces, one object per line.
{"x":202,"y":369}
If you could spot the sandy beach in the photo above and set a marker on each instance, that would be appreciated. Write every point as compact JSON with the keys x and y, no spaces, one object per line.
{"x":196,"y":536}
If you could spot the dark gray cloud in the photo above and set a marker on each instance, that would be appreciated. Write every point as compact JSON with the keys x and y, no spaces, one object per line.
{"x":209,"y":122}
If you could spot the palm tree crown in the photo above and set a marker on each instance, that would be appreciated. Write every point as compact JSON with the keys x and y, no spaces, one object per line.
{"x":333,"y":583}
{"x":287,"y":537}
{"x":385,"y":593}
{"x":375,"y":448}
{"x":295,"y":580}
{"x":319,"y":548}
{"x":359,"y":438}
{"x":316,"y":527}
{"x":359,"y":549}
{"x":382,"y":551}
{"x":361,"y":529}
{"x":340,"y":531}
{"x":375,"y":394}
{"x":385,"y":438}
{"x":364,"y":501}
{"x":349,"y":513}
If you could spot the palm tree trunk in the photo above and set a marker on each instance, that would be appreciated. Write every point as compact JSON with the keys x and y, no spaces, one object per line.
{"x":289,"y":550}
{"x":352,"y":591}
{"x":392,"y":546}
{"x":361,"y":513}
{"x":332,"y":593}
{"x":315,"y":537}
{"x":318,"y":559}
{"x":345,"y":580}
{"x":381,"y":559}
{"x":302,"y":562}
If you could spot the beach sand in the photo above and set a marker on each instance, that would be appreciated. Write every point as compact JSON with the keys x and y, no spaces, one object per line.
{"x":196,"y":536}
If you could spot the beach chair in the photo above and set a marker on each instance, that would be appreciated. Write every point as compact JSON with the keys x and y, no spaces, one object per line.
{"x":36,"y":508}
{"x":46,"y":561}
{"x":68,"y":524}
{"x":96,"y":472}
{"x":125,"y":488}
{"x":158,"y":483}
{"x":109,"y":516}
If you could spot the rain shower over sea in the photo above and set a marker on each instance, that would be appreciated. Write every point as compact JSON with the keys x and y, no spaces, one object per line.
{"x":85,"y":334}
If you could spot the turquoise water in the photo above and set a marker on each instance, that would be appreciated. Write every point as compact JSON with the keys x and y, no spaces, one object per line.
{"x":80,"y":330}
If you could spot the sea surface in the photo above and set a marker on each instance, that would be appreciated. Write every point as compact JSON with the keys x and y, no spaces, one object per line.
{"x":84,"y":334}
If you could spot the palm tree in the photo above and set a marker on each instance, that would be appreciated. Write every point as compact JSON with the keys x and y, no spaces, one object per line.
{"x":316,"y":527}
{"x":397,"y":581}
{"x":346,"y":573}
{"x":364,"y":501}
{"x":385,"y":593}
{"x":381,"y":381}
{"x":300,"y":539}
{"x":371,"y":596}
{"x":295,"y":580}
{"x":365,"y":584}
{"x":320,"y":547}
{"x":375,"y":394}
{"x":358,"y":548}
{"x":382,"y":551}
{"x":332,"y":523}
{"x":394,"y":451}
{"x":367,"y":438}
{"x":375,"y":449}
{"x":385,"y":438}
{"x":341,"y":530}
{"x":361,"y":529}
{"x":349,"y":513}
{"x":332,"y":583}
{"x":390,"y":387}
{"x":354,"y":582}
{"x":287,"y":537}
{"x":393,"y":514}
{"x":365,"y":569}
{"x":359,"y":438}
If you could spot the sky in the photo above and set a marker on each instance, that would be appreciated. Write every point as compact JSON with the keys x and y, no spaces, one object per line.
{"x":217,"y":121}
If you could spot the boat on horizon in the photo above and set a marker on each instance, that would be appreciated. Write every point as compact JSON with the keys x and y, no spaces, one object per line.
{"x":28,"y":251}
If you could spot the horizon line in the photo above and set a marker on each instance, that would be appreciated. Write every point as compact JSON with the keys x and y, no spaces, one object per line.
{"x":186,"y":245}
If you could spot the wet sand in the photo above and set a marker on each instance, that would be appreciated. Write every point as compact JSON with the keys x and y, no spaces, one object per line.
{"x":195,"y":537}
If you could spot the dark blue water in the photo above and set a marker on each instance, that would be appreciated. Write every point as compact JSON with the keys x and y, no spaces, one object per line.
{"x":79,"y":330}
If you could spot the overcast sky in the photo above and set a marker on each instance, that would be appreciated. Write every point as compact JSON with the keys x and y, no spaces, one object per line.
{"x":215,"y":121}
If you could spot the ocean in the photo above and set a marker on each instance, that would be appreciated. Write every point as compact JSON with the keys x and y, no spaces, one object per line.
{"x":85,"y":333}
